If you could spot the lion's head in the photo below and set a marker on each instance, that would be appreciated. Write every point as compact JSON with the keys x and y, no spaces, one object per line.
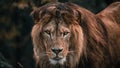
{"x":61,"y":33}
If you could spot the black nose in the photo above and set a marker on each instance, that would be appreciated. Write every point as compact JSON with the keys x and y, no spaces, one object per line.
{"x":56,"y":50}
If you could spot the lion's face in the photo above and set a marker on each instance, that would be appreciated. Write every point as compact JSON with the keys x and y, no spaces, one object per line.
{"x":56,"y":38}
{"x":57,"y":42}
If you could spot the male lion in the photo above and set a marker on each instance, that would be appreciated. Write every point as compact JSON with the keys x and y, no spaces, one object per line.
{"x":68,"y":36}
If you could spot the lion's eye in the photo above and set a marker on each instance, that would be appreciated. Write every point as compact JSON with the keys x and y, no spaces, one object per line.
{"x":65,"y":33}
{"x":47,"y":32}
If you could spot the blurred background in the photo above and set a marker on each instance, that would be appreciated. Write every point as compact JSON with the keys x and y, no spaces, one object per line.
{"x":16,"y":48}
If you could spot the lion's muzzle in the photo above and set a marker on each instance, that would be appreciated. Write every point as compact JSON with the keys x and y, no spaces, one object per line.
{"x":56,"y":50}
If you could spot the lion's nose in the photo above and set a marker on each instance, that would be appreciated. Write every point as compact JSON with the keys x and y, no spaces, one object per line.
{"x":56,"y":50}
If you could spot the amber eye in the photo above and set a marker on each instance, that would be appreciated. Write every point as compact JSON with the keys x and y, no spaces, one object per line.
{"x":47,"y":32}
{"x":65,"y":33}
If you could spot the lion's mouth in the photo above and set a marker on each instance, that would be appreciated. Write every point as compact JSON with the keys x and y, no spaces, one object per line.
{"x":57,"y":60}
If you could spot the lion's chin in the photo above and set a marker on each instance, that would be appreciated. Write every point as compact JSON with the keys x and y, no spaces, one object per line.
{"x":60,"y":61}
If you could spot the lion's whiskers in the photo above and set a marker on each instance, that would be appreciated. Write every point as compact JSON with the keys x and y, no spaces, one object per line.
{"x":44,"y":53}
{"x":71,"y":51}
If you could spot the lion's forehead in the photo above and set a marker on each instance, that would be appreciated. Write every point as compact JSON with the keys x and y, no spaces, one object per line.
{"x":55,"y":26}
{"x":58,"y":11}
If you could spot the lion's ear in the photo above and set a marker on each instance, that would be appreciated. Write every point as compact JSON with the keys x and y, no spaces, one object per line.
{"x":35,"y":15}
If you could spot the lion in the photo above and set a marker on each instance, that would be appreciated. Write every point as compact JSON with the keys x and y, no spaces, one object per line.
{"x":68,"y":36}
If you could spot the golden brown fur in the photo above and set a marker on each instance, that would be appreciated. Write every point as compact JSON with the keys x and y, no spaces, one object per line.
{"x":83,"y":39}
{"x":111,"y":18}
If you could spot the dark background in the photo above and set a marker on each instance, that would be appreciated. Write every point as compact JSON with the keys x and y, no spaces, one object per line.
{"x":16,"y":49}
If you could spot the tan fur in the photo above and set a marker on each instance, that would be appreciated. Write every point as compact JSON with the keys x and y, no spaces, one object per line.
{"x":92,"y":41}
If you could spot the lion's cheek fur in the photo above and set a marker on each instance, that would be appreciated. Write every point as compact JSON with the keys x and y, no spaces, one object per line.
{"x":77,"y":44}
